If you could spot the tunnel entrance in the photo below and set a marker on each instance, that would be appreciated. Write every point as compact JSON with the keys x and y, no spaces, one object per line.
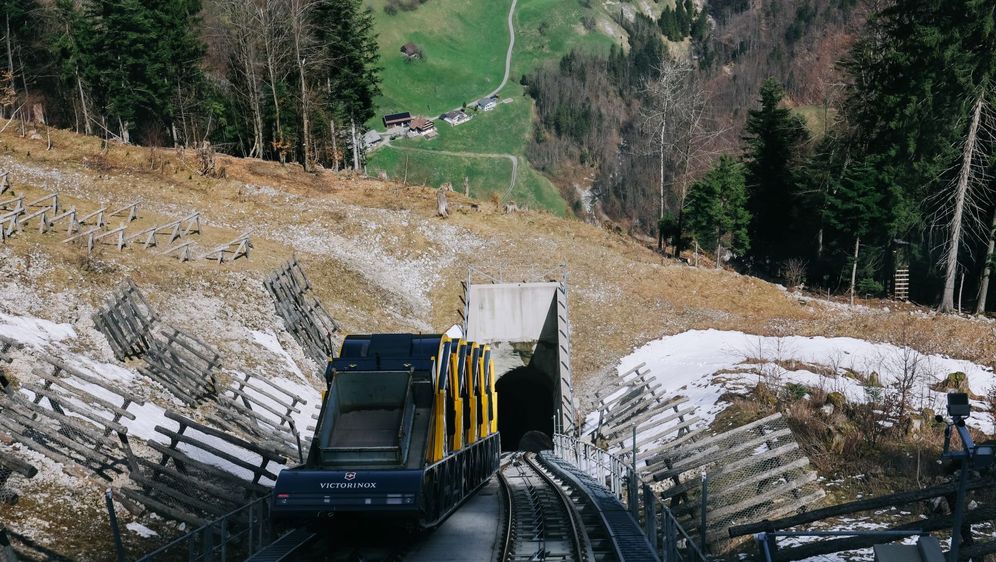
{"x":525,"y":403}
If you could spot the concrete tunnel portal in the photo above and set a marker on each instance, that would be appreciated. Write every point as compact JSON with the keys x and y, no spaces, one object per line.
{"x":527,"y":327}
{"x":525,"y":403}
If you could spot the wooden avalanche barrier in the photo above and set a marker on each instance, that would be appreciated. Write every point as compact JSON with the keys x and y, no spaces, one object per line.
{"x":11,"y":466}
{"x":303,"y":315}
{"x":126,"y":320}
{"x":756,"y":471}
{"x":186,"y":484}
{"x":636,"y":400}
{"x":183,"y":364}
{"x":243,"y":408}
{"x":71,"y":417}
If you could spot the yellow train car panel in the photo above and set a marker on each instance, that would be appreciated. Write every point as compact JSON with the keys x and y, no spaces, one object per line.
{"x":455,"y":410}
{"x":471,"y":395}
{"x":438,"y":449}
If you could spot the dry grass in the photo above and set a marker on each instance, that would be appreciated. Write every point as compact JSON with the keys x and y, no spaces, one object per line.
{"x":622,"y":293}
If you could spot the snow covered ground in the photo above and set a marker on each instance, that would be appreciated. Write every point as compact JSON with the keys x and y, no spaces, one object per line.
{"x":705,"y":364}
{"x":55,"y":338}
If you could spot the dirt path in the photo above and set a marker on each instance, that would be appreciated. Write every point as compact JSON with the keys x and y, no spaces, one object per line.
{"x":511,"y":45}
{"x":511,"y":157}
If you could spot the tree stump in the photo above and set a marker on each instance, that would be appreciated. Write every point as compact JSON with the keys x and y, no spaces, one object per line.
{"x":442,"y":206}
{"x":206,"y":155}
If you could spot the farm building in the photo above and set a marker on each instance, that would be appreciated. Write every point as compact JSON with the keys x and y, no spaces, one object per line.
{"x":488,"y":103}
{"x":402,"y":119}
{"x":456,"y":117}
{"x":422,"y":126}
{"x":372,"y":139}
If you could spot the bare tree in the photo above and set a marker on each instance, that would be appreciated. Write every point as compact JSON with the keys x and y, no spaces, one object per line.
{"x":971,"y":172}
{"x":246,"y":35}
{"x":300,"y":15}
{"x":674,"y":112}
{"x":272,"y":19}
{"x":987,"y":268}
{"x":667,"y":105}
{"x":10,"y":55}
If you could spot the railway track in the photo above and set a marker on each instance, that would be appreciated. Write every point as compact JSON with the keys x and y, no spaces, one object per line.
{"x":546,"y":518}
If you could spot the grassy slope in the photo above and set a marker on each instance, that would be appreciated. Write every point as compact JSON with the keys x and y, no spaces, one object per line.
{"x":464,"y":43}
{"x":545,"y":30}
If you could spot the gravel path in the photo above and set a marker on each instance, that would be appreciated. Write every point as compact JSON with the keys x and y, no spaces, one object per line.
{"x":511,"y":45}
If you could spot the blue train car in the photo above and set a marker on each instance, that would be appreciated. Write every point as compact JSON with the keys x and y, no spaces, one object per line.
{"x":407,"y":429}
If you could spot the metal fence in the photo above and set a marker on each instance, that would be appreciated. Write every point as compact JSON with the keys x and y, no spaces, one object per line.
{"x":233,"y":536}
{"x":666,"y":535}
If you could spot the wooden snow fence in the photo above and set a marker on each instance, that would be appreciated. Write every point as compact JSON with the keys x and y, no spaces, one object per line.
{"x":183,"y":364}
{"x":11,"y":466}
{"x":70,"y":416}
{"x":6,"y":346}
{"x":187,"y":484}
{"x":303,"y":315}
{"x":260,"y":408}
{"x":126,"y":320}
{"x":15,"y":214}
{"x":238,"y":248}
{"x":635,"y":399}
{"x":756,"y":471}
{"x":982,"y":489}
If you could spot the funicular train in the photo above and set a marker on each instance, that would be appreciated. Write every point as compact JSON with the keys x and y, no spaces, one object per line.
{"x":408,"y":428}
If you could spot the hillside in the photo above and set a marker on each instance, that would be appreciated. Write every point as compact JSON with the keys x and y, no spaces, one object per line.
{"x":380,"y":260}
{"x":463,"y":61}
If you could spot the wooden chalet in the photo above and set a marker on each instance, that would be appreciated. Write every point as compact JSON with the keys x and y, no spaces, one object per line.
{"x":402,"y":119}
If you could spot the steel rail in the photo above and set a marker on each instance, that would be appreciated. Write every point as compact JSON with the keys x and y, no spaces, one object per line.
{"x":582,"y":540}
{"x":541,"y":493}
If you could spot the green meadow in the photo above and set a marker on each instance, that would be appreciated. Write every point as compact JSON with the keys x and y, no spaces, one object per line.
{"x":465,"y":44}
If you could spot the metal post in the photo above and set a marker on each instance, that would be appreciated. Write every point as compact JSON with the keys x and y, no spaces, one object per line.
{"x":670,"y":537}
{"x":650,"y":516}
{"x":118,"y":545}
{"x":208,"y":543}
{"x":252,"y":528}
{"x":702,"y":520}
{"x":224,"y":538}
{"x":634,"y":501}
{"x":959,"y":513}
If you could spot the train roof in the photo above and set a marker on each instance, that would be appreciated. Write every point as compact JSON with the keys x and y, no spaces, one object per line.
{"x":387,"y":352}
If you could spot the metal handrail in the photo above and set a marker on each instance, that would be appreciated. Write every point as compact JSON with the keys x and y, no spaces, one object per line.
{"x":627,"y":485}
{"x":200,"y":543}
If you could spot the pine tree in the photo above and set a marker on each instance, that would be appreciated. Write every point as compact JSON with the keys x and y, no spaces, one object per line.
{"x":775,"y":142}
{"x":854,"y":210}
{"x":21,"y":30}
{"x":71,"y":51}
{"x":669,"y":25}
{"x":916,"y":76}
{"x":344,"y":30}
{"x":140,"y":53}
{"x":681,"y":19}
{"x":686,"y":28}
{"x":178,"y":22}
{"x":716,"y":209}
{"x":700,"y":27}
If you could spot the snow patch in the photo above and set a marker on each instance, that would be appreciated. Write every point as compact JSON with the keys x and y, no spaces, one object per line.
{"x":141,"y":530}
{"x":705,"y":364}
{"x":34,"y":331}
{"x":269,"y":341}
